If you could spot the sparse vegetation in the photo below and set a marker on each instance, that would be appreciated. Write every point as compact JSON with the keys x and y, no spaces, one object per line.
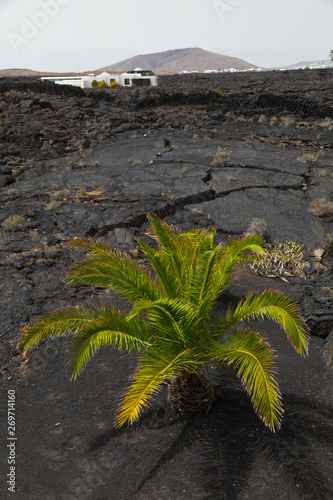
{"x":60,"y":195}
{"x":303,"y":126}
{"x":35,"y":237}
{"x":327,"y":122}
{"x":257,"y":226}
{"x":310,"y":158}
{"x":94,"y":83}
{"x":49,"y":251}
{"x":53,"y":205}
{"x":221,"y":157}
{"x":16,"y":171}
{"x":321,"y":207}
{"x":218,"y":92}
{"x":134,"y":162}
{"x":287,"y":122}
{"x":114,"y":84}
{"x":329,"y":242}
{"x":14,"y":223}
{"x":261,"y":119}
{"x":80,"y":192}
{"x":284,"y":259}
{"x":102,"y":84}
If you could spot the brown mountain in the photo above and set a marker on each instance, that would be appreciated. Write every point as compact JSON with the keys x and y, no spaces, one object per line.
{"x":174,"y":61}
{"x":170,"y":61}
{"x":19,"y":72}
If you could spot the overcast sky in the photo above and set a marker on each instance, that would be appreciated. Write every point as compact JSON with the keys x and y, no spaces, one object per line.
{"x":82,"y":35}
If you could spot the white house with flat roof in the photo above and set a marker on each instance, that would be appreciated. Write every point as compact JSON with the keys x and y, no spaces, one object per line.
{"x":137,"y":77}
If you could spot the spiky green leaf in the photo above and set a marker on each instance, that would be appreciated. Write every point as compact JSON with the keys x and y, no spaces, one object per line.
{"x":275,"y":306}
{"x":57,"y":323}
{"x":111,"y":329}
{"x":155,"y":369}
{"x":113,"y":270}
{"x":251,"y":358}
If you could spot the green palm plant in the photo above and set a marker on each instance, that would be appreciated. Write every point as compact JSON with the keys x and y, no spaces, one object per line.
{"x":171,"y":324}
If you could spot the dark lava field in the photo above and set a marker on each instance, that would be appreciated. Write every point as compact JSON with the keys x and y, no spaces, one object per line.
{"x":242,"y":152}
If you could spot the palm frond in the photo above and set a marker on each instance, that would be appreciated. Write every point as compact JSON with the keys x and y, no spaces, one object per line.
{"x":161,"y":266}
{"x":169,"y":242}
{"x":57,"y":323}
{"x":251,"y":358}
{"x":155,"y":369}
{"x":93,"y":247}
{"x":113,"y":270}
{"x":175,"y":321}
{"x":276,"y":306}
{"x":111,"y":329}
{"x":233,"y":254}
{"x":203,"y":288}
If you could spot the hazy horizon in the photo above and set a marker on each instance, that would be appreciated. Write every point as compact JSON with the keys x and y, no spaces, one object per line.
{"x":73,"y":36}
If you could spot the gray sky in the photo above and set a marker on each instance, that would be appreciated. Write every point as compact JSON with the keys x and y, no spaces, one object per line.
{"x":72,"y":35}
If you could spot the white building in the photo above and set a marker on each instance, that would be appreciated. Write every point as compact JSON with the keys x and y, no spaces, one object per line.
{"x":138,"y":77}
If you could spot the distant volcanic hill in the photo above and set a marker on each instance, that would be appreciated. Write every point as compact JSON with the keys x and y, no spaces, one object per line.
{"x":174,"y":61}
{"x":170,"y":61}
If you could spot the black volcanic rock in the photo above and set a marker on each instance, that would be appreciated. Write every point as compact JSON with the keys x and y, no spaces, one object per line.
{"x":230,"y":151}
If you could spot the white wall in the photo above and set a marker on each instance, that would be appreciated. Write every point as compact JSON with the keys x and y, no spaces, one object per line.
{"x":86,"y":81}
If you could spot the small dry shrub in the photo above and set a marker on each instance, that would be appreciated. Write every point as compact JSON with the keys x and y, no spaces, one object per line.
{"x":60,"y":195}
{"x":329,"y":242}
{"x":310,"y":158}
{"x":261,"y":119}
{"x":53,"y":205}
{"x":321,"y":207}
{"x":35,"y":237}
{"x":221,"y":157}
{"x":257,"y":226}
{"x":16,"y":171}
{"x":273,"y":120}
{"x":14,"y":223}
{"x":302,"y":126}
{"x":49,"y":251}
{"x":284,"y":259}
{"x":287,"y":122}
{"x":327,"y":122}
{"x":80,"y":192}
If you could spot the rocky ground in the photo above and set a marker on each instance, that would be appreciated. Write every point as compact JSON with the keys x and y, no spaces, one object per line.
{"x":240,"y":152}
